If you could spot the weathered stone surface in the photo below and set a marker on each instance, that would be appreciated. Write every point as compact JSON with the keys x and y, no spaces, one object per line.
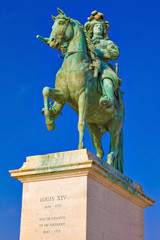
{"x":75,"y":195}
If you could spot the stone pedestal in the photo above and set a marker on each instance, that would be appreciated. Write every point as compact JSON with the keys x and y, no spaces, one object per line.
{"x":77,"y":196}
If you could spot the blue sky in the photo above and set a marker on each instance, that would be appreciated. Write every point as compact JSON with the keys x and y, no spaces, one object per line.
{"x":27,"y":65}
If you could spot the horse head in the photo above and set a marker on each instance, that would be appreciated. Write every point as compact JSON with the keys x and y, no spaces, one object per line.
{"x":62,"y":30}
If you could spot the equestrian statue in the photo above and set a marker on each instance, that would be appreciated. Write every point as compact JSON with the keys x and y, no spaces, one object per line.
{"x":87,"y":82}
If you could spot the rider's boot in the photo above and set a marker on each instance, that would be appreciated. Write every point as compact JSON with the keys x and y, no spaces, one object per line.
{"x":107,"y":99}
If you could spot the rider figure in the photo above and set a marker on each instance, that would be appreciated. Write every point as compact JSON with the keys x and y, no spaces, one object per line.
{"x":106,"y":50}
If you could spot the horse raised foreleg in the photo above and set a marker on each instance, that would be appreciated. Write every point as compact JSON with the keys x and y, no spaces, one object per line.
{"x":55,"y":95}
{"x":96,"y":136}
{"x":56,"y":110}
{"x":82,"y":105}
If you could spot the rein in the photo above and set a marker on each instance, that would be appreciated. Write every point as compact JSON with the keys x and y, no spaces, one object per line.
{"x":80,"y":51}
{"x":71,"y":53}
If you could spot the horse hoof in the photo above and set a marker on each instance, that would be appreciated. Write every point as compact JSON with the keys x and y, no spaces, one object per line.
{"x":81,"y":146}
{"x":50,"y":125}
{"x":42,"y":111}
{"x":110,"y":159}
{"x":100,"y":155}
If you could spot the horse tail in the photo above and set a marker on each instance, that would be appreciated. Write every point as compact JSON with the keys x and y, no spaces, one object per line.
{"x":118,"y":160}
{"x":120,"y":152}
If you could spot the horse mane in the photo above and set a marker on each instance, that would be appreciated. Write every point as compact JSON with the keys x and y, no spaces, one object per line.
{"x":90,"y":45}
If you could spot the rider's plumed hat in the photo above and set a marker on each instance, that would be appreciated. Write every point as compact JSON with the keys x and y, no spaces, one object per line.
{"x":97,"y":18}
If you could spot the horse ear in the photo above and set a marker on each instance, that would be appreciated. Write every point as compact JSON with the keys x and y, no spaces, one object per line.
{"x":61,"y":12}
{"x":54,"y":18}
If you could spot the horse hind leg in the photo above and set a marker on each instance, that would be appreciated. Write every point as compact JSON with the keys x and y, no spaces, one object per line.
{"x":82,"y":106}
{"x":55,"y":95}
{"x":96,"y":135}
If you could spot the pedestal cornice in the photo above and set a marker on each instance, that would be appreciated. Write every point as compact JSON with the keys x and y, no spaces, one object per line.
{"x":80,"y":163}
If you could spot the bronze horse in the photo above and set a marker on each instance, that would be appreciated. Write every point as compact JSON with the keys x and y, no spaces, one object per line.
{"x":76,"y":86}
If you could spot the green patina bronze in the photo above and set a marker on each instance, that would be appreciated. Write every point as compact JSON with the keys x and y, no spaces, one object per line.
{"x":87,"y":82}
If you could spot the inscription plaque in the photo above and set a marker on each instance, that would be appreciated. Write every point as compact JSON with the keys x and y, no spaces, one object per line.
{"x":53,"y":223}
{"x":54,"y":209}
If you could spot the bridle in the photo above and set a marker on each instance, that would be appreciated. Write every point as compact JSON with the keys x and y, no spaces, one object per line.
{"x":63,"y":30}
